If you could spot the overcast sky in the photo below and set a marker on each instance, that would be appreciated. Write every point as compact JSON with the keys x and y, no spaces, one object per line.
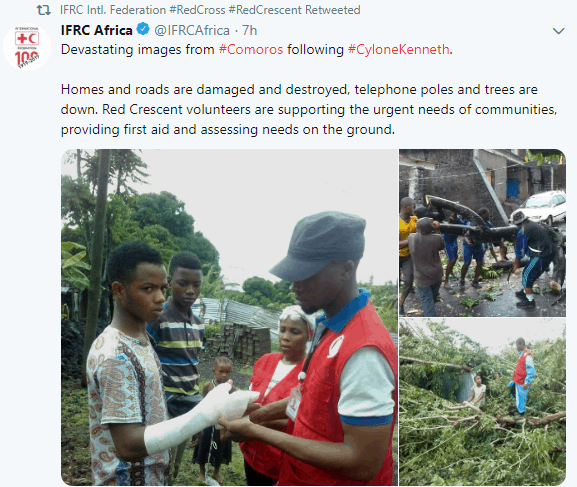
{"x":247,"y":202}
{"x":498,"y":333}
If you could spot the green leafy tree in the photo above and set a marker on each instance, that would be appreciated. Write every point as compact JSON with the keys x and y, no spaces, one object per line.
{"x":443,"y":443}
{"x":555,"y":157}
{"x":258,"y":287}
{"x":166,"y":210}
{"x":212,"y":283}
{"x":384,"y":298}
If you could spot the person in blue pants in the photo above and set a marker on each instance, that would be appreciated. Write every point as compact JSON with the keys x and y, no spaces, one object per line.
{"x":536,"y":241}
{"x":451,"y":248}
{"x":522,"y":378}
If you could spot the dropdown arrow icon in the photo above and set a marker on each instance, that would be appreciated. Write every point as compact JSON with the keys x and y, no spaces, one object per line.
{"x":558,"y":31}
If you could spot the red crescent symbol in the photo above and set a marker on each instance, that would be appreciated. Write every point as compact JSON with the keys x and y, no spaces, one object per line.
{"x":30,"y":37}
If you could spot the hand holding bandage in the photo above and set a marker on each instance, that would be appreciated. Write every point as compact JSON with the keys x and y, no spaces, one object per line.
{"x":165,"y":435}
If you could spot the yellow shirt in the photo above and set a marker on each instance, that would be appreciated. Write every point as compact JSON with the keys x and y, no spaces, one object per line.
{"x":404,"y":230}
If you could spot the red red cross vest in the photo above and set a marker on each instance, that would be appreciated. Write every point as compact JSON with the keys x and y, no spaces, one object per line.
{"x":521,"y":371}
{"x":318,"y":417}
{"x":264,"y":458}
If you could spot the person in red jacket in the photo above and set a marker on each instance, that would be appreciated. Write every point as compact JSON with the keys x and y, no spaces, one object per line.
{"x":344,"y":409}
{"x":274,"y":376}
{"x":522,"y":378}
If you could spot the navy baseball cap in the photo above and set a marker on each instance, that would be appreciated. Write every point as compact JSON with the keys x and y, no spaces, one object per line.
{"x":317,"y":239}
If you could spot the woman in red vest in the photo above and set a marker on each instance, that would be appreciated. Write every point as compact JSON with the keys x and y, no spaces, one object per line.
{"x":274,"y":375}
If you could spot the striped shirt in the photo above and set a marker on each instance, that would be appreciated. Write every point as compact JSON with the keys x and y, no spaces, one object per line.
{"x":177,"y":340}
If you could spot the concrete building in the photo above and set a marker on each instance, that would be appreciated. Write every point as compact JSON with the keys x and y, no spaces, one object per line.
{"x":498,"y":179}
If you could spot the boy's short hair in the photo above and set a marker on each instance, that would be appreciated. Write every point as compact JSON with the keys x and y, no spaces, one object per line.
{"x":125,"y":258}
{"x":482,"y":211}
{"x":184,"y":259}
{"x":520,"y":341}
{"x":222,"y":361}
{"x":406,"y":201}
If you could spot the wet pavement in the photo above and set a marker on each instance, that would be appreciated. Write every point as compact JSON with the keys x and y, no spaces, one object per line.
{"x":494,"y":297}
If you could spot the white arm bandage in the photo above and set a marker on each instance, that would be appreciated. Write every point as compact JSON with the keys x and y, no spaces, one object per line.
{"x":165,"y":435}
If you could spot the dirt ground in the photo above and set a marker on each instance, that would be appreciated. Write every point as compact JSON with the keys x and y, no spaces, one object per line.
{"x":75,"y":443}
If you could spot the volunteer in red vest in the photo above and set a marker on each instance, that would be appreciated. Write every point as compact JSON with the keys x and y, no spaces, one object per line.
{"x":274,"y":376}
{"x":522,"y":378}
{"x":344,"y":408}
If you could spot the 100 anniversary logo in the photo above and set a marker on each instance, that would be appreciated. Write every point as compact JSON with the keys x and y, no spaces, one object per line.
{"x":26,"y":47}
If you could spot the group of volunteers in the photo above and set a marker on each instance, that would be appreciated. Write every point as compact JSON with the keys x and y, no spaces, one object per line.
{"x":523,"y":376}
{"x":420,"y":243}
{"x":320,"y":412}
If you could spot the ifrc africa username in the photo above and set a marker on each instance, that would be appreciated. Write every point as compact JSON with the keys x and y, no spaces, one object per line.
{"x":198,"y":30}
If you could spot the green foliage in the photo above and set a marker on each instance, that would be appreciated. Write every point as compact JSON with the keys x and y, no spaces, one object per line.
{"x":211,"y":330}
{"x":212,"y":283}
{"x":554,"y":158}
{"x":488,"y":272}
{"x":259,"y":287}
{"x":384,"y":298}
{"x":75,"y":200}
{"x":158,"y":219}
{"x":434,"y":452}
{"x":469,"y":302}
{"x":72,"y":266}
{"x":166,"y":210}
{"x":444,"y":345}
{"x":75,"y":466}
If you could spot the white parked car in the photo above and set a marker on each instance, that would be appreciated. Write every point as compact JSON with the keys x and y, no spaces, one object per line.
{"x":546,"y":207}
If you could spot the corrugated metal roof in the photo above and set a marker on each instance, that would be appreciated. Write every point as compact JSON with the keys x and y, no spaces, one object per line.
{"x":233,"y":312}
{"x":245,"y":314}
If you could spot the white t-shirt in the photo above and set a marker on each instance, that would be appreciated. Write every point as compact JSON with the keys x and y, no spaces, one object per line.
{"x":477,"y":391}
{"x":281,"y":371}
{"x":366,"y":383}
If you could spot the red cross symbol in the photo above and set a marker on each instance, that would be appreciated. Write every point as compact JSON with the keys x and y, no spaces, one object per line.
{"x":27,"y":38}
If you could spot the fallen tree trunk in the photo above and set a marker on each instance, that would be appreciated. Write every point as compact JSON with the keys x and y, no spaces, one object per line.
{"x":427,"y":362}
{"x":531,"y":421}
{"x":475,"y":408}
{"x":478,"y":234}
{"x":478,"y":230}
{"x":469,"y":214}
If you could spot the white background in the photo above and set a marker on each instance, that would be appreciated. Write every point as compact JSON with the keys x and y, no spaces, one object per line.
{"x":499,"y":43}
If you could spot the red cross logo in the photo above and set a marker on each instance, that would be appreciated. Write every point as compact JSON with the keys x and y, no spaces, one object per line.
{"x":27,"y":38}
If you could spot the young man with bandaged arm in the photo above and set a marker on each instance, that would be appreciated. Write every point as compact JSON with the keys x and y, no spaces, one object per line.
{"x":130,"y":436}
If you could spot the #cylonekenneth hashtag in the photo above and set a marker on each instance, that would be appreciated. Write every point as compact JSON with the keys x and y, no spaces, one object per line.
{"x":223,"y":48}
{"x":352,"y":47}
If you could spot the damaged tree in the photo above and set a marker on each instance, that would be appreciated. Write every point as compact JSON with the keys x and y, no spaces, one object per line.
{"x":444,"y":442}
{"x":428,"y":362}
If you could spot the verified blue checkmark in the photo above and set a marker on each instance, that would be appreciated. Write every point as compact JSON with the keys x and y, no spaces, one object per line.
{"x":142,"y":28}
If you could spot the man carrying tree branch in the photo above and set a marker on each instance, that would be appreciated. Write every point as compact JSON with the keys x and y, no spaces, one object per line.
{"x":522,"y":378}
